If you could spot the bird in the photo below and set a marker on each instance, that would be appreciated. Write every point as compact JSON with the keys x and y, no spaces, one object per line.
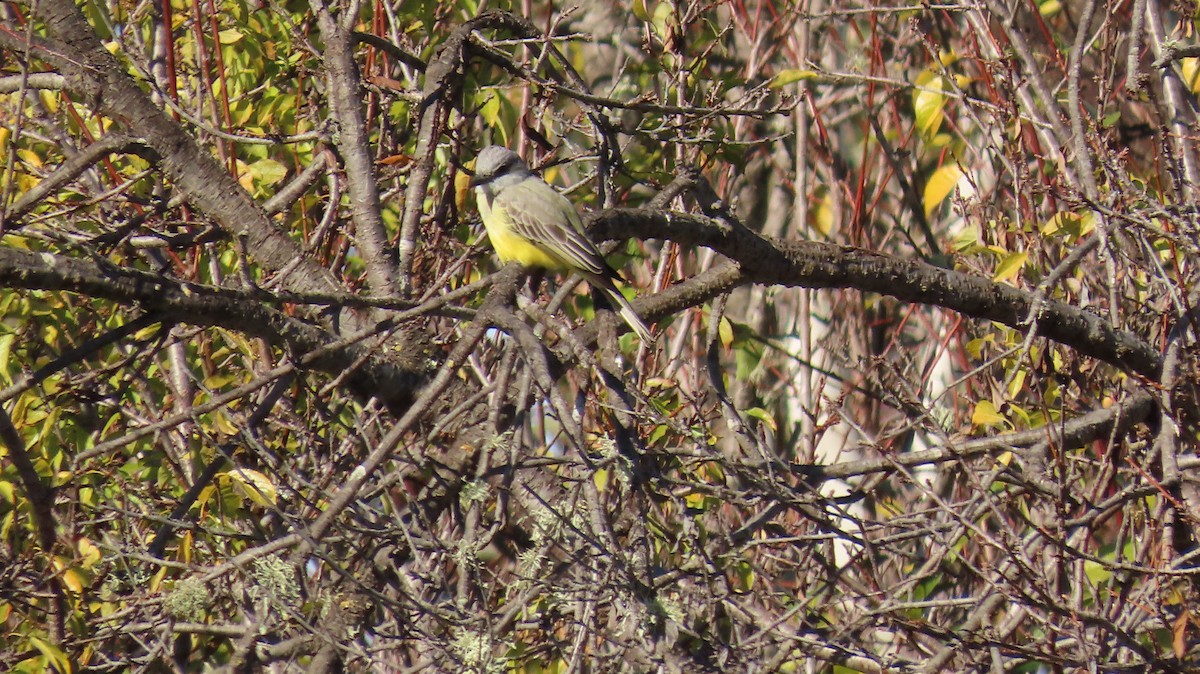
{"x":531,"y":223}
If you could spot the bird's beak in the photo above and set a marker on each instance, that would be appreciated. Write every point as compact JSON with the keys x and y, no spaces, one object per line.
{"x":476,"y":181}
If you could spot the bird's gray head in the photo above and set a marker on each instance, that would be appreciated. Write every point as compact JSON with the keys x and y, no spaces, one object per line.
{"x":498,"y":165}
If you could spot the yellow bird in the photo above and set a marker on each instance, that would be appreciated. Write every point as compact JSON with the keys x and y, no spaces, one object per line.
{"x":529,"y":222}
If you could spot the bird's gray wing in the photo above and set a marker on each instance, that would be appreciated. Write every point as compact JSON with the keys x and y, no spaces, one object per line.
{"x":548,"y":220}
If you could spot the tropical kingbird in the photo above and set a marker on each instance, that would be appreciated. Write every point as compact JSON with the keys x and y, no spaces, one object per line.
{"x":531,"y":223}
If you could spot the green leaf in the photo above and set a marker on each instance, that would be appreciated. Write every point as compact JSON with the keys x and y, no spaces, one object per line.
{"x":939,"y":186}
{"x":657,"y":434}
{"x":745,"y":574}
{"x":763,"y":416}
{"x":52,"y":654}
{"x":491,"y":110}
{"x":968,"y":239}
{"x":747,"y":358}
{"x":658,"y":22}
{"x":268,"y":171}
{"x":1097,"y":572}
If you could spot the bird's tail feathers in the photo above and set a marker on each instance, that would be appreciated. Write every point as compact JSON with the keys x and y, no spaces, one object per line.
{"x":631,"y":317}
{"x":621,"y":305}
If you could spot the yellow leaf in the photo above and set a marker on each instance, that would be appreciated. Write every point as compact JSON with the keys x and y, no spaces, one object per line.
{"x":1018,"y":384}
{"x":229,"y":36}
{"x":253,"y":485}
{"x":205,"y":496}
{"x":725,"y":332}
{"x":6,"y":344}
{"x":1190,"y":68}
{"x":940,"y":185}
{"x":89,"y":552}
{"x":975,"y":346}
{"x":75,"y":579}
{"x":821,"y":214}
{"x":184,"y":551}
{"x":929,"y":99}
{"x":147,"y":332}
{"x":1179,"y":638}
{"x":1087,"y":223}
{"x":1010,"y":267}
{"x":786,"y":77}
{"x":985,"y":415}
{"x":30,"y":157}
{"x":222,"y":423}
{"x":157,"y":579}
{"x":244,"y":178}
{"x":1063,"y":223}
{"x":462,"y":188}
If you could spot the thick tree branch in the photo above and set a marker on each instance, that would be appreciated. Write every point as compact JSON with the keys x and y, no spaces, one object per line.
{"x":346,"y":109}
{"x":810,"y":264}
{"x":372,"y":374}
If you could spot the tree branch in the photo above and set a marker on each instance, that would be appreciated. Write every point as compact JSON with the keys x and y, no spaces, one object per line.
{"x":94,"y":74}
{"x":41,"y":504}
{"x":196,"y":304}
{"x":69,"y":170}
{"x":811,"y":264}
{"x":442,"y":82}
{"x":352,"y":140}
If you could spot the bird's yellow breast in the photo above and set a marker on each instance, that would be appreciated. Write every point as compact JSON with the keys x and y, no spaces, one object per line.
{"x":510,"y":246}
